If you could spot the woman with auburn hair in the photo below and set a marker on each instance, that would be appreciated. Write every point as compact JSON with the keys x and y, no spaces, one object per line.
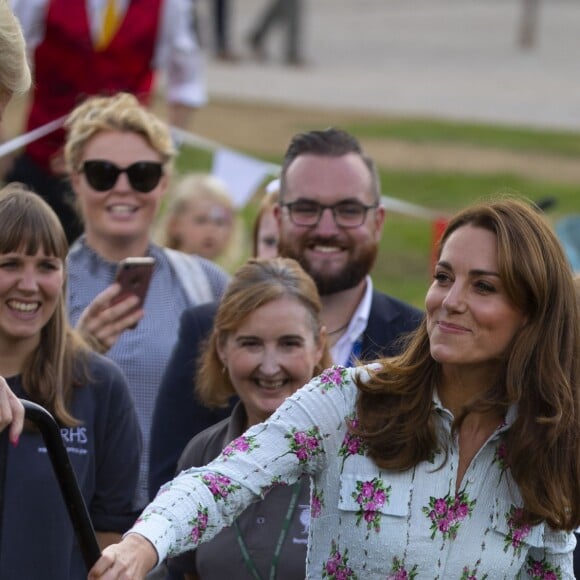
{"x":456,"y":459}
{"x":44,"y":360}
{"x":267,"y":342}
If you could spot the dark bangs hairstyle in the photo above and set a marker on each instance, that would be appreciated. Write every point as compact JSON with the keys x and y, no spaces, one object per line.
{"x":540,"y":373}
{"x":28,"y":224}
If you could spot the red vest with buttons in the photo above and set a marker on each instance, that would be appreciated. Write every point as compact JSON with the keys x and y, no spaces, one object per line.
{"x":68,"y":68}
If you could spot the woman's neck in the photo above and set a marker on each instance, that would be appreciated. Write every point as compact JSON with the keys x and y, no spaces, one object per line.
{"x":13,"y":356}
{"x":459,"y":386}
{"x":114,"y":250}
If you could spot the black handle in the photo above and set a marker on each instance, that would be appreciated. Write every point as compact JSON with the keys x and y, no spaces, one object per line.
{"x":67,"y":481}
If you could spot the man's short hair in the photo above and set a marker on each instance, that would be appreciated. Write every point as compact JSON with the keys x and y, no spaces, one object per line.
{"x":329,"y":142}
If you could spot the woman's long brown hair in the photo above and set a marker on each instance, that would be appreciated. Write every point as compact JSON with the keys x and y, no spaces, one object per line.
{"x":541,"y":373}
{"x":28,"y":224}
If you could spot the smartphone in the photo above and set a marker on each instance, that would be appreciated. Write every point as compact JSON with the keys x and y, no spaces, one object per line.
{"x":134,"y":276}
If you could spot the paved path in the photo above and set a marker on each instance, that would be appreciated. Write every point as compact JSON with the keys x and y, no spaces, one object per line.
{"x":455,"y":59}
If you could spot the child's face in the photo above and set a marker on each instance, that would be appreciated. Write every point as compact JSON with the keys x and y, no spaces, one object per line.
{"x":268,"y":236}
{"x":204,"y":228}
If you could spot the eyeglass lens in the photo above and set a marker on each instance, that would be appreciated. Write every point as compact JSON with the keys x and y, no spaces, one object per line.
{"x":144,"y":176}
{"x":346,"y":213}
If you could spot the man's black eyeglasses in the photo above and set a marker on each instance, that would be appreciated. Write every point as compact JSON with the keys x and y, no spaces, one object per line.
{"x":347,"y":214}
{"x":144,"y":176}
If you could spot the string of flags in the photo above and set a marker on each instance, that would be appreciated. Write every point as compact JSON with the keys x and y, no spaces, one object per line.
{"x":241,"y":173}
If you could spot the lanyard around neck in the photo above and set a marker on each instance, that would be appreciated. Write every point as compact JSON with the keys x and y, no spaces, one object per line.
{"x":283,"y":533}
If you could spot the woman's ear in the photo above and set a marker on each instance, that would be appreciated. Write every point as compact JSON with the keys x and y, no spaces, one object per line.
{"x":221,"y":351}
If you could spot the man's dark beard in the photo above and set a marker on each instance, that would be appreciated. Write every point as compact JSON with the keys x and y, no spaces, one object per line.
{"x":355,"y":270}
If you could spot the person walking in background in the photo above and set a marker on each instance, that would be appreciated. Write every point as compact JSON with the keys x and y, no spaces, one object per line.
{"x":266,"y":343}
{"x":330,"y":221}
{"x":45,"y":361}
{"x":287,"y":13}
{"x":119,"y":156}
{"x":221,"y":22}
{"x":100,"y":47}
{"x":200,"y":217}
{"x":457,"y":458}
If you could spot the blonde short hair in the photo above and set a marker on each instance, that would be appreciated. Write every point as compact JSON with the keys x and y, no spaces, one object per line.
{"x":14,"y":69}
{"x":121,"y":112}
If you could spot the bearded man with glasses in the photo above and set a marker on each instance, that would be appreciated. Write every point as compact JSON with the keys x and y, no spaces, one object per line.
{"x":330,"y":221}
{"x":119,"y":156}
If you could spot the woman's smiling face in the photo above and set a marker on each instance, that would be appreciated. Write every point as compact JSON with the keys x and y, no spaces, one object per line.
{"x":470,"y":319}
{"x":30,"y":287}
{"x":270,"y":355}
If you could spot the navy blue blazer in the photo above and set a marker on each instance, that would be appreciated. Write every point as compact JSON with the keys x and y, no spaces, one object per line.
{"x":178,"y":416}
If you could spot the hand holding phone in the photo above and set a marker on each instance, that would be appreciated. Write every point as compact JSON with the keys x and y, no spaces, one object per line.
{"x":134,"y":276}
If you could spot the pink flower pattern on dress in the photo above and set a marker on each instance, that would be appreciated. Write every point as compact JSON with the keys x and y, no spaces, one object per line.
{"x":399,"y":572}
{"x":500,"y":458}
{"x":198,"y":525}
{"x":351,"y":444}
{"x":219,"y":485}
{"x":542,"y":570}
{"x":316,"y":503}
{"x":304,"y":444}
{"x":336,"y":567}
{"x":243,"y":444}
{"x":447,"y":513}
{"x":471,"y":573}
{"x":518,"y":531}
{"x":332,"y":377}
{"x":371,"y":496}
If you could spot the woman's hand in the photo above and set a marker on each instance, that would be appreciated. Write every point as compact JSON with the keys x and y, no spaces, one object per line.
{"x":131,"y":559}
{"x":11,"y":412}
{"x":102,"y":322}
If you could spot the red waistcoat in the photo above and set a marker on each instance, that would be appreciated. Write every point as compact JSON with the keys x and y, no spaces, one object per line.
{"x":68,"y":68}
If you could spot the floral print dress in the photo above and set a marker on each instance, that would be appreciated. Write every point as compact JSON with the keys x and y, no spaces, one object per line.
{"x":366,"y":523}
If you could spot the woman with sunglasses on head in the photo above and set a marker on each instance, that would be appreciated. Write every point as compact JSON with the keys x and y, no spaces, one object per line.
{"x":119,"y":156}
{"x":44,"y":360}
{"x":456,"y":459}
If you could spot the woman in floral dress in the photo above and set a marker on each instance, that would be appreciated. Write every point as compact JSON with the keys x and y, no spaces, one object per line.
{"x":457,"y":459}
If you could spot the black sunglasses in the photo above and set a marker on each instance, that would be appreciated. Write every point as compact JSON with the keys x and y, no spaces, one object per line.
{"x":144,"y":176}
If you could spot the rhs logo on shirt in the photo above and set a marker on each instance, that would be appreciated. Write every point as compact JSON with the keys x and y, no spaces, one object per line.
{"x":75,"y":440}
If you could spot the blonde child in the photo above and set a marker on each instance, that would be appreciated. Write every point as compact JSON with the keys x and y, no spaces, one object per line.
{"x":200,"y":217}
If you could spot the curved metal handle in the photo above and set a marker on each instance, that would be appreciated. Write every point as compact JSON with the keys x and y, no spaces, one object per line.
{"x":67,"y":481}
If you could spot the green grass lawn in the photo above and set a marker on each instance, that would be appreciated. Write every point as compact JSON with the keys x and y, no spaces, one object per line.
{"x":521,"y":139}
{"x":403,"y":264}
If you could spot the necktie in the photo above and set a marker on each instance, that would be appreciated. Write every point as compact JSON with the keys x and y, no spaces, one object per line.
{"x":110,"y":25}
